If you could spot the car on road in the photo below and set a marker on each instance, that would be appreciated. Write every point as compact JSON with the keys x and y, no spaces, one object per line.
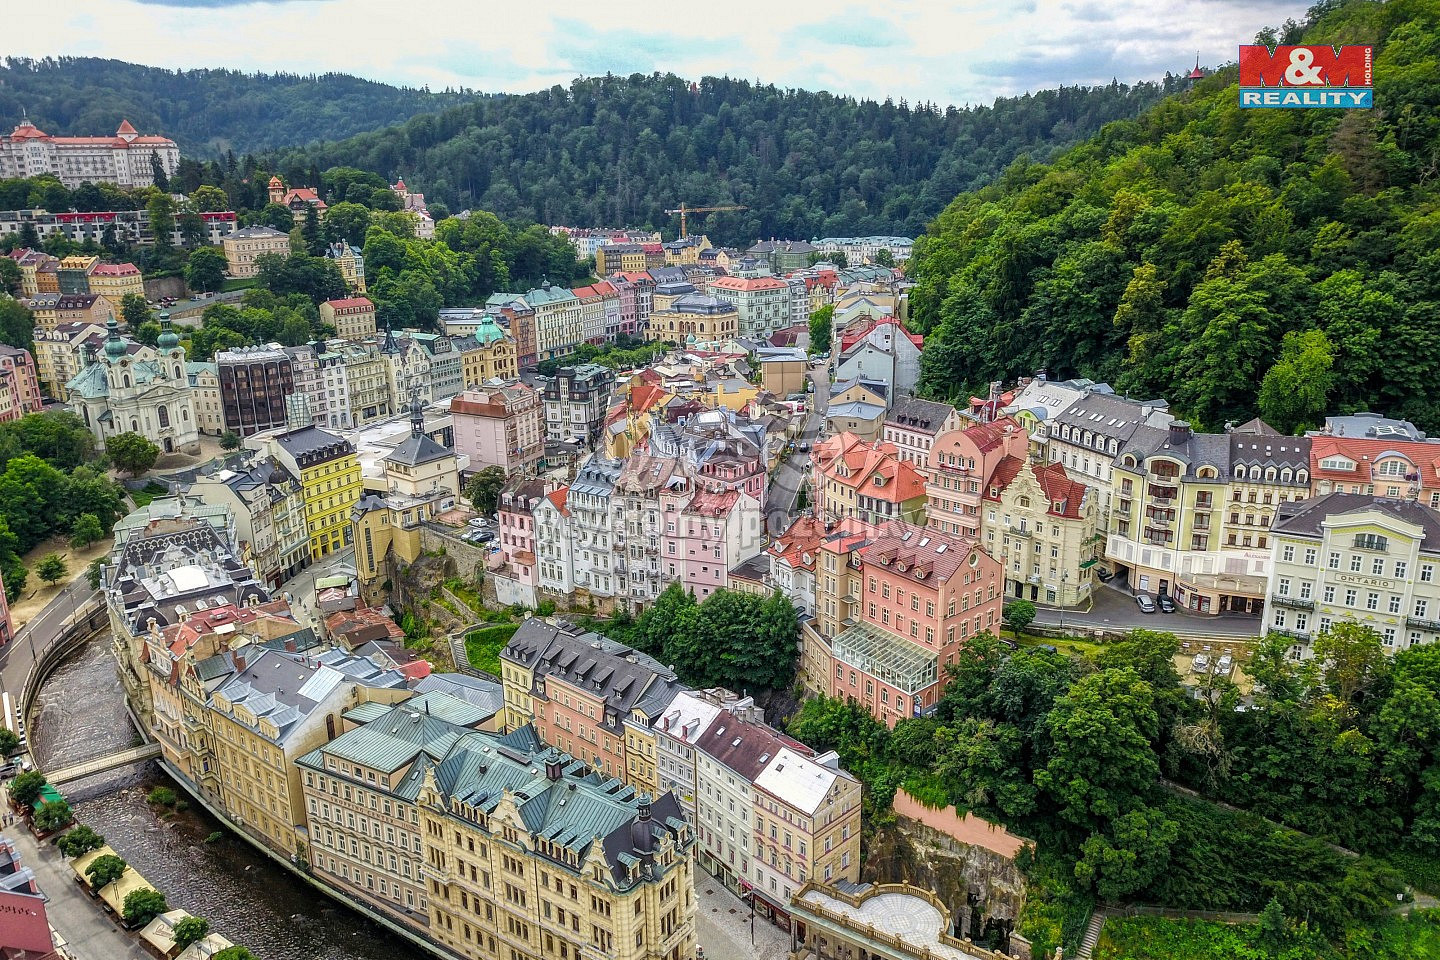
{"x":1166,"y":604}
{"x":804,"y":445}
{"x":1143,"y":601}
{"x":1103,"y":574}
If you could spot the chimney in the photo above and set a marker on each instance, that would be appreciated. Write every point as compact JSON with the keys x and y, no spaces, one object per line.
{"x":239,"y":658}
{"x":554,"y":769}
{"x":1179,"y":432}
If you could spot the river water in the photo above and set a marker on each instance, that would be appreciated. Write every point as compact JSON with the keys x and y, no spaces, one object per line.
{"x":80,"y":713}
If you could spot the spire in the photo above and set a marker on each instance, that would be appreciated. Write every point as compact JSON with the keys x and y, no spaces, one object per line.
{"x":114,"y":346}
{"x":417,"y":411}
{"x":389,"y":346}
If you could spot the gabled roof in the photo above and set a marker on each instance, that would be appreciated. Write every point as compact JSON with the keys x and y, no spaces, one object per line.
{"x":1054,"y":481}
{"x":874,"y":467}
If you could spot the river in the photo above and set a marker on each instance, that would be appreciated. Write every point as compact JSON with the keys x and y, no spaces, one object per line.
{"x":80,"y":713}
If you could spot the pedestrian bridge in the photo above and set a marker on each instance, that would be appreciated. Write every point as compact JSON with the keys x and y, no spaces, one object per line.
{"x":101,"y":764}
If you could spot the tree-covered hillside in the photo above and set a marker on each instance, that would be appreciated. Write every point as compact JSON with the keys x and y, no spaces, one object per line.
{"x":206,"y":112}
{"x":1281,"y":262}
{"x":620,"y":150}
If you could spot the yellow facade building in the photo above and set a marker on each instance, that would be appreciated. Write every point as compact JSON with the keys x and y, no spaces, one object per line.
{"x":114,"y":281}
{"x":489,"y":355}
{"x":329,"y":473}
{"x":694,"y":318}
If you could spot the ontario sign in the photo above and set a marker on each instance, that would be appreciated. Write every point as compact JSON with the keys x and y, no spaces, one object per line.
{"x":1306,"y":77}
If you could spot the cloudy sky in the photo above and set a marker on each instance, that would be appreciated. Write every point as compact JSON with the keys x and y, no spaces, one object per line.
{"x":947,"y":51}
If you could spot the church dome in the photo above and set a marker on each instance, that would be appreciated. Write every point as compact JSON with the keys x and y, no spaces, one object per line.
{"x":168,"y":339}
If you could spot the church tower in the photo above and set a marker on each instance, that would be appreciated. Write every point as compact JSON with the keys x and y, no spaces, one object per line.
{"x":277,"y":190}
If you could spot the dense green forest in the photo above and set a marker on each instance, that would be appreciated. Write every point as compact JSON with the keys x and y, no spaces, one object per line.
{"x":620,"y":150}
{"x":1281,"y":262}
{"x":207,"y":112}
{"x":1071,"y":751}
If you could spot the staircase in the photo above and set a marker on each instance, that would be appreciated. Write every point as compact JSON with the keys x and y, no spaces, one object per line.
{"x":1092,"y":935}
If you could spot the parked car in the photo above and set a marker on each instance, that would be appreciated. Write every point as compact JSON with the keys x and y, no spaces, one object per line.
{"x":1200,"y":664}
{"x":477,"y":522}
{"x":1222,"y":666}
{"x":1103,"y":574}
{"x":1143,"y":601}
{"x":484,"y":536}
{"x":1166,"y":604}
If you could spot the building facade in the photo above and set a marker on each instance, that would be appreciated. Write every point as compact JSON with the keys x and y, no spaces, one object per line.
{"x":127,"y":159}
{"x":329,"y":475}
{"x":244,"y":248}
{"x":500,"y":426}
{"x":254,"y":385}
{"x":352,"y":317}
{"x":130,"y":388}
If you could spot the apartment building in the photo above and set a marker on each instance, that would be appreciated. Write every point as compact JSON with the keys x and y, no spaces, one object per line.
{"x":711,"y":532}
{"x":961,"y":464}
{"x":558,"y":321}
{"x":595,"y":529}
{"x":19,"y":383}
{"x":1359,"y":558}
{"x":638,"y":490}
{"x":60,"y":353}
{"x":1089,"y":434}
{"x":490,"y":354}
{"x":913,"y":425}
{"x":762,"y":304}
{"x":244,"y":248}
{"x":838,"y":588}
{"x":352,"y":317}
{"x":329,"y":475}
{"x":866,"y":481}
{"x":517,"y":571}
{"x":923,"y":595}
{"x":1040,"y":524}
{"x":522,"y":874}
{"x":205,"y":389}
{"x":500,"y":426}
{"x":50,"y":310}
{"x":115,"y":281}
{"x":576,"y":399}
{"x":268,"y":504}
{"x":254,"y":384}
{"x":360,"y":794}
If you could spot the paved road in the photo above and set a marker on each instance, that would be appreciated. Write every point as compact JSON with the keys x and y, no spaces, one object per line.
{"x":780,"y":501}
{"x":1114,"y":609}
{"x":18,"y":656}
{"x":302,"y":586}
{"x":722,"y":925}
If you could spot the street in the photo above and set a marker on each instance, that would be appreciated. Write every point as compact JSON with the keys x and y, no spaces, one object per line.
{"x":780,"y":501}
{"x":301,"y":587}
{"x":722,"y":925}
{"x":18,"y":656}
{"x":1115,"y":609}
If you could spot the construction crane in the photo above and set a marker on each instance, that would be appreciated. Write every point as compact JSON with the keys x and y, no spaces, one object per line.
{"x":685,"y":211}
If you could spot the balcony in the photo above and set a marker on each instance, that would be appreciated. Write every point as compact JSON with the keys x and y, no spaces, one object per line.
{"x":1300,"y":635}
{"x":1019,"y":532}
{"x":1294,"y":603}
{"x":1420,"y":623}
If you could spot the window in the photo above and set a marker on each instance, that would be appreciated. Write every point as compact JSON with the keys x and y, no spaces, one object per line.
{"x":1354,"y":563}
{"x":1370,"y":541}
{"x":1400,"y":568}
{"x":1287,"y":553}
{"x":1333,"y":561}
{"x":1280,"y":618}
{"x":1372,"y":601}
{"x":1305,"y":586}
{"x":1284,"y":586}
{"x":1377,"y":566}
{"x":1394,"y":603}
{"x":1310,"y":555}
{"x":1350,"y":597}
{"x":1427,"y":572}
{"x":1420,"y":607}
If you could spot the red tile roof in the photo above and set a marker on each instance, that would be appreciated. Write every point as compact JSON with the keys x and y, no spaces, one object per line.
{"x":854,"y":334}
{"x":1366,"y":452}
{"x":708,"y":504}
{"x":115,"y":270}
{"x":1053,"y":480}
{"x":349,"y":302}
{"x":749,"y":283}
{"x":558,"y":497}
{"x":918,"y":553}
{"x":853,"y":462}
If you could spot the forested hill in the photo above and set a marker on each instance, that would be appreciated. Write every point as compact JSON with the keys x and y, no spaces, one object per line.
{"x":1281,"y":262}
{"x":206,"y":112}
{"x":620,"y":150}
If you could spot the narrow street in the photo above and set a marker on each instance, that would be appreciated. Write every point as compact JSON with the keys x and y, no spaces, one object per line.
{"x":1114,"y":609}
{"x":780,"y":502}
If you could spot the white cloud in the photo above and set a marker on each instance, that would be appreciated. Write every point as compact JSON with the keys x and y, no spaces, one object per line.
{"x":964,"y":51}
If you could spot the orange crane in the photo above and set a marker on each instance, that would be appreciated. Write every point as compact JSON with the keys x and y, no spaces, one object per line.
{"x":684,"y":211}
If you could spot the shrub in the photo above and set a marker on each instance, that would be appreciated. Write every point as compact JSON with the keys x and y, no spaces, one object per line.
{"x":190,"y":930}
{"x":105,"y":871}
{"x":79,"y":841}
{"x":162,"y":797}
{"x":53,"y":815}
{"x":142,"y":906}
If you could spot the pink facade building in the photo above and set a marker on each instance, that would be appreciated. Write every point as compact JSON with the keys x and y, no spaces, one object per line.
{"x":712,"y":532}
{"x":921,"y":596}
{"x":19,"y":384}
{"x":500,"y":426}
{"x":517,"y":529}
{"x":961,"y":463}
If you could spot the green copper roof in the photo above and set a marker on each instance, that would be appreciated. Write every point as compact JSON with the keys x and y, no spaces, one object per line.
{"x":488,"y":332}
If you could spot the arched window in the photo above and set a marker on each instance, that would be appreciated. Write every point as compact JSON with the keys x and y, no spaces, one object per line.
{"x":1269,"y":474}
{"x":125,"y":380}
{"x":134,"y":425}
{"x":1302,"y":476}
{"x":1239,"y":471}
{"x":1285,"y":475}
{"x":164,"y":417}
{"x":1254,"y":473}
{"x":185,"y":414}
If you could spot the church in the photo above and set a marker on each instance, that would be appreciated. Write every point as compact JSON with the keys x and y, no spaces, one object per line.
{"x":127,"y":387}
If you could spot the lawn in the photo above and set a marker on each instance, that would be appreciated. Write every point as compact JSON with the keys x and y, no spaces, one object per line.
{"x":483,"y":646}
{"x":237,"y":283}
{"x":1153,"y":938}
{"x":150,"y":491}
